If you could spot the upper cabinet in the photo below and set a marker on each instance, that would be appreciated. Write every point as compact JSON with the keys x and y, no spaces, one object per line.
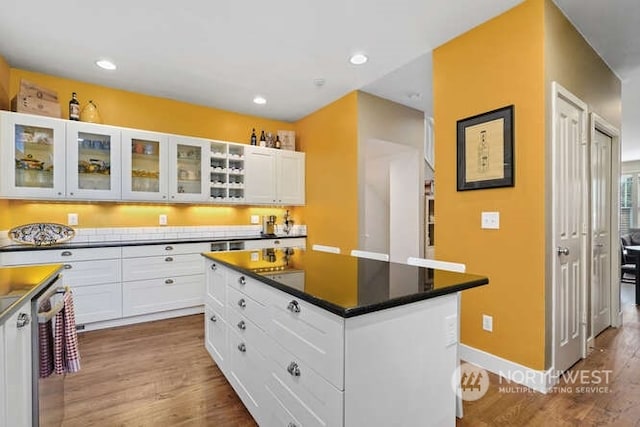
{"x":274,"y":176}
{"x":32,"y":157}
{"x":188,"y":164}
{"x":145,"y":166}
{"x":93,"y":162}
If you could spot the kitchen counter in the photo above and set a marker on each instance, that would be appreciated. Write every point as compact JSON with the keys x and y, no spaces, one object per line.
{"x":106,"y":244}
{"x":20,"y":284}
{"x":346,"y":285}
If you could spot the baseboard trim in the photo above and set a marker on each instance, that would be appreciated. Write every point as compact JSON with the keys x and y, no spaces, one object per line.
{"x":140,"y":319}
{"x":541,"y":381}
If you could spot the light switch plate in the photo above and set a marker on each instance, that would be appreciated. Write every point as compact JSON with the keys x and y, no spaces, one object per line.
{"x":255,"y":256}
{"x":162,"y":220}
{"x":490,"y":220}
{"x":487,"y":323}
{"x":255,"y":219}
{"x":72,"y":219}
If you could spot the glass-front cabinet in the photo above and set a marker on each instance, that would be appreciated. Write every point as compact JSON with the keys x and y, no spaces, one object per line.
{"x":145,"y":166}
{"x":93,"y":161}
{"x":188,"y":160}
{"x":32,"y":157}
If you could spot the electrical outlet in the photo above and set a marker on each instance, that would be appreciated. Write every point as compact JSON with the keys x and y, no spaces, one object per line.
{"x":255,"y":219}
{"x":490,"y":220}
{"x":255,"y":256}
{"x":487,"y":323}
{"x":72,"y":219}
{"x":162,"y":220}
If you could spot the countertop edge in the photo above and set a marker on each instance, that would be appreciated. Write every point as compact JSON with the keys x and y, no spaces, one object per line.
{"x":27,"y":297}
{"x":352,"y":312}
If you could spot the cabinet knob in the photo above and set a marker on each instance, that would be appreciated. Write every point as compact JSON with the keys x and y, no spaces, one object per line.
{"x":293,"y":369}
{"x":242,"y":303}
{"x":169,"y":281}
{"x":168,"y":248}
{"x":293,"y":306}
{"x":242,"y":280}
{"x":68,"y":266}
{"x":23,"y":320}
{"x":276,"y":242}
{"x":292,"y":424}
{"x":66,"y":253}
{"x":242,"y":347}
{"x":214,"y":267}
{"x":59,"y":193}
{"x":164,"y":197}
{"x":242,"y":325}
{"x":71,"y":194}
{"x":213,"y":318}
{"x":169,"y":259}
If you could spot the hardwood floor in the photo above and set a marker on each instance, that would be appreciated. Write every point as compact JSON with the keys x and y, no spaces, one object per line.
{"x":152,"y":374}
{"x":159,"y":374}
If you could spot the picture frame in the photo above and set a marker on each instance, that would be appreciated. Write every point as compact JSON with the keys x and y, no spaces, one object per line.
{"x":485,"y":150}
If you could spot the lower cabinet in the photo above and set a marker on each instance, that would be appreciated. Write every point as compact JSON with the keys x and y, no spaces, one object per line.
{"x":15,"y":364}
{"x":154,"y":295}
{"x":215,"y":336}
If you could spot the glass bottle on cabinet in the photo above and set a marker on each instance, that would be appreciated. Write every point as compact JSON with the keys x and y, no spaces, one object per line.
{"x":144,"y":166}
{"x":93,"y":161}
{"x":32,"y":160}
{"x":189,"y":159}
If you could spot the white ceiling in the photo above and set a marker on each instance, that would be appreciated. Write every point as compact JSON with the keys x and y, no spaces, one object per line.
{"x":222,"y":54}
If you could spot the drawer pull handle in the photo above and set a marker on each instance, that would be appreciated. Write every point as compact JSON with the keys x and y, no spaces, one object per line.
{"x":276,"y":242}
{"x":68,"y":266}
{"x":169,"y":281}
{"x":242,"y":325}
{"x":214,"y":318}
{"x":66,"y":253}
{"x":292,"y":424}
{"x":214,"y":267}
{"x":242,"y":303}
{"x":168,"y":248}
{"x":242,"y":347}
{"x":293,"y":369}
{"x":23,"y":320}
{"x":293,"y":307}
{"x":242,"y":280}
{"x":169,"y":259}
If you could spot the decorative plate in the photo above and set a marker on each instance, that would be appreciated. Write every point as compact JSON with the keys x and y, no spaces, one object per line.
{"x":41,"y":234}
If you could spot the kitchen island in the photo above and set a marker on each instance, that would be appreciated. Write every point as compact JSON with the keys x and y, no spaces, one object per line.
{"x":319,"y":339}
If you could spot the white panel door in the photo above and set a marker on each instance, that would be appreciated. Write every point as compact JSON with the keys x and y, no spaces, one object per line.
{"x":290,"y":178}
{"x":145,"y":166}
{"x":189,"y":169}
{"x":569,"y":152}
{"x":260,"y":175}
{"x":601,"y":231}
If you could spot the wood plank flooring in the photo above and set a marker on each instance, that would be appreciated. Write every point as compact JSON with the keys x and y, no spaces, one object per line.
{"x":159,"y":374}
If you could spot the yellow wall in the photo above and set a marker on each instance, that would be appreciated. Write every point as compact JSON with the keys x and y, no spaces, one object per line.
{"x":496,"y":64}
{"x":4,"y":84}
{"x":122,"y":108}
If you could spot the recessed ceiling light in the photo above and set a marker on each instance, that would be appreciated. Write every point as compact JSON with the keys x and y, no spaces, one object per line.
{"x":259,"y":100}
{"x":105,"y":64}
{"x":358,"y":59}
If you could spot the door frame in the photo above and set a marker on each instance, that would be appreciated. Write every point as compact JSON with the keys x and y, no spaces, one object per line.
{"x":557,"y":92}
{"x":597,"y":123}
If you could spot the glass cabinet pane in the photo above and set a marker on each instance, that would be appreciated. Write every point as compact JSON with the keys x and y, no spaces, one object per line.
{"x":34,"y":156}
{"x":94,"y":161}
{"x":145,"y":166}
{"x":189,"y":176}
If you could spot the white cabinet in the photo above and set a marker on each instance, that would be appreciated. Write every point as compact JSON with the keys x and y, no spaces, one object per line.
{"x":145,"y":164}
{"x":188,"y":164}
{"x":32,"y":157}
{"x":274,"y":176}
{"x":93,"y":161}
{"x":17,"y":367}
{"x":227,"y":172}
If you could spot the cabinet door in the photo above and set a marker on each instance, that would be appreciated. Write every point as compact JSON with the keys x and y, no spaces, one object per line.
{"x":188,"y":166}
{"x":215,"y":332}
{"x":144,"y":166}
{"x":17,"y":344}
{"x":32,"y":156}
{"x":93,"y":161}
{"x":97,"y":302}
{"x":3,"y":380}
{"x":216,"y":285}
{"x":260,"y":175}
{"x":290,"y":178}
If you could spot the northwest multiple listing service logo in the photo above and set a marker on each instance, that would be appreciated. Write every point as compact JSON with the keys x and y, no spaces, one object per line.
{"x":470,"y":382}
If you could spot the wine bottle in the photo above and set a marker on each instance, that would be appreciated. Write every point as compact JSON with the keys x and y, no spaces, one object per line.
{"x":74,"y":107}
{"x":278,"y":144}
{"x":253,"y":137}
{"x":263,"y":139}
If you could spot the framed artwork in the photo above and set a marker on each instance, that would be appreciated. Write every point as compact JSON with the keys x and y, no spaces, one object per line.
{"x":485,"y":150}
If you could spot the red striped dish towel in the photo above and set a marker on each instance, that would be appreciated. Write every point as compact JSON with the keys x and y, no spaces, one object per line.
{"x":66,"y":356}
{"x":45,"y":342}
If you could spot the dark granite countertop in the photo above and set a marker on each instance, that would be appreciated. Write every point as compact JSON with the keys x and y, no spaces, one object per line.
{"x":78,"y":245}
{"x":18,"y":285}
{"x":346,"y":285}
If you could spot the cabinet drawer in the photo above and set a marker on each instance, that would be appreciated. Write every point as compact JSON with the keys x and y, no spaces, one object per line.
{"x":161,"y":267}
{"x":313,"y":335}
{"x":249,"y":286}
{"x":95,"y":272}
{"x":294,"y":242}
{"x":150,"y":296}
{"x":59,"y":255}
{"x":306,"y":395}
{"x":246,"y":306}
{"x":215,"y":333}
{"x":165,"y":249}
{"x":247,"y":329}
{"x":97,"y":302}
